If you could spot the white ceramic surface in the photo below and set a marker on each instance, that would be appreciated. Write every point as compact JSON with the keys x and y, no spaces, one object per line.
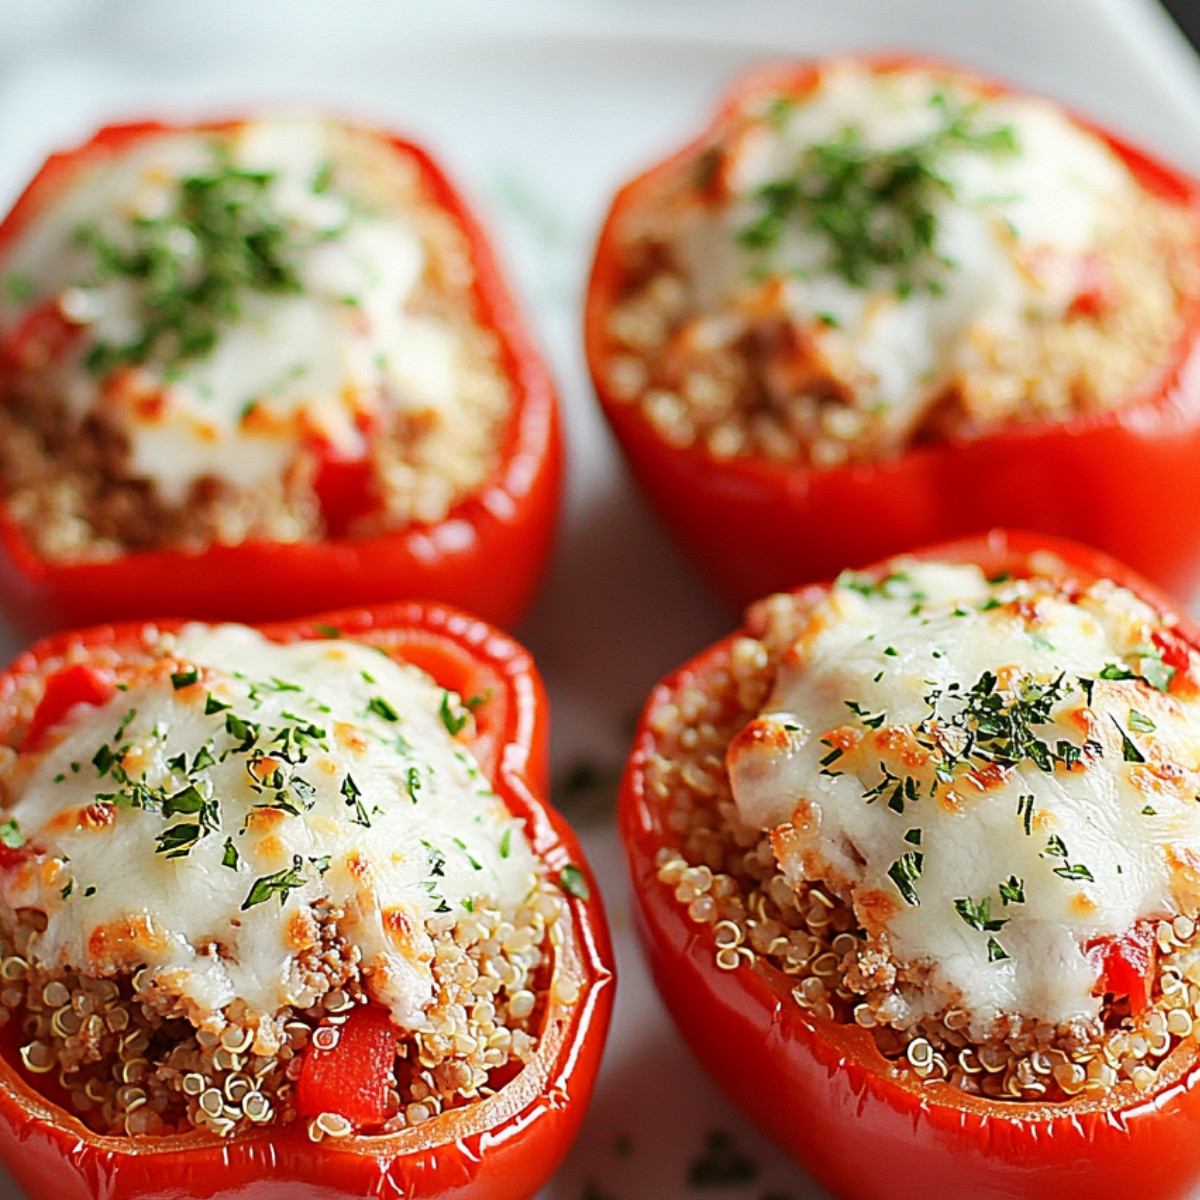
{"x":540,"y":108}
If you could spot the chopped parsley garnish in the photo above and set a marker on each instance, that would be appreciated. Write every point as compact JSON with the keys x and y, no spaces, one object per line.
{"x":437,"y":860}
{"x":1129,"y":751}
{"x":381,"y":708}
{"x":506,"y":844}
{"x":873,"y":210}
{"x":354,"y":801}
{"x":1139,"y":722}
{"x":281,"y":884}
{"x":904,"y":873}
{"x":996,"y":952}
{"x":177,"y":841}
{"x":453,"y":721}
{"x":1025,"y":812}
{"x":1056,"y":848}
{"x":1012,"y":890}
{"x":229,"y":856}
{"x":183,"y":679}
{"x":870,"y":720}
{"x":978,"y":914}
{"x":571,"y":879}
{"x":11,"y":835}
{"x":193,"y":266}
{"x":1075,"y":871}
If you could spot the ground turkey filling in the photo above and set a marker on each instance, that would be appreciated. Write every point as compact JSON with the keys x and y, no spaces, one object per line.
{"x":138,"y":1048}
{"x":772,"y":896}
{"x":889,"y":259}
{"x":269,"y":332}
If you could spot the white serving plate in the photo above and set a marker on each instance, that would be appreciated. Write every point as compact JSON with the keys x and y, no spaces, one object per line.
{"x":540,"y":108}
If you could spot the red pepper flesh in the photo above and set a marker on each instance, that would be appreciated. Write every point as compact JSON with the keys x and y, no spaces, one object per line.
{"x":502,"y":1147}
{"x":486,"y":555}
{"x":351,"y":1077}
{"x":754,"y":526}
{"x":80,"y":683}
{"x":823,"y":1091}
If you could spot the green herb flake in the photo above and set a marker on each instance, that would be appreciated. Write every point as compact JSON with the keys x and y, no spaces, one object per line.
{"x":453,"y":721}
{"x":873,"y":210}
{"x":1139,"y":722}
{"x":281,"y":884}
{"x":178,"y":840}
{"x":904,"y":873}
{"x":11,"y":835}
{"x":229,"y":855}
{"x":1025,"y":812}
{"x":1129,"y":751}
{"x":184,"y":679}
{"x":191,"y":268}
{"x":996,"y":952}
{"x":572,"y":881}
{"x":1012,"y":890}
{"x":978,"y":914}
{"x":382,"y":709}
{"x":1075,"y":871}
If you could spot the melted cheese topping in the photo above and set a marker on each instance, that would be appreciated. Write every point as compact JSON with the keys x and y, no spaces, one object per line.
{"x":992,"y":774}
{"x":1013,"y":228}
{"x":202,"y":828}
{"x":314,"y":360}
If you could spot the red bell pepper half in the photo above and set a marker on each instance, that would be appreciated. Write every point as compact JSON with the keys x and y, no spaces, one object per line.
{"x":487,"y":554}
{"x":823,"y":1090}
{"x":1123,"y":480}
{"x":504,"y":1146}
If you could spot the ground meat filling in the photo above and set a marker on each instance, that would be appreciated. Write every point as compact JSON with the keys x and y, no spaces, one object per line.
{"x":374,"y":447}
{"x":137,"y":1048}
{"x":727,"y":876}
{"x":126,"y":1060}
{"x":726,"y":343}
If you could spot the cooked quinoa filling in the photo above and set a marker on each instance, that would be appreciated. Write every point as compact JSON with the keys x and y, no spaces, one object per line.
{"x":210,"y":870}
{"x":890,"y":257}
{"x":262,"y":332}
{"x":959,"y":814}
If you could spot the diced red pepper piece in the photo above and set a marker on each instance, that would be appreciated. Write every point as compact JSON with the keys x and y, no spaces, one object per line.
{"x":79,"y":683}
{"x":344,"y":489}
{"x":1095,"y":292}
{"x":42,"y":336}
{"x":351,"y":1078}
{"x":1128,"y":967}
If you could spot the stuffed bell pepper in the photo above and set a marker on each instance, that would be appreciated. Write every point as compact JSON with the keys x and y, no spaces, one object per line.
{"x":916,"y":861}
{"x":285,"y":908}
{"x":882,"y":302}
{"x":256,"y":369}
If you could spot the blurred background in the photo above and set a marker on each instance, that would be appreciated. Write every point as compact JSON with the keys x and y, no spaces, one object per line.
{"x":1187,"y":17}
